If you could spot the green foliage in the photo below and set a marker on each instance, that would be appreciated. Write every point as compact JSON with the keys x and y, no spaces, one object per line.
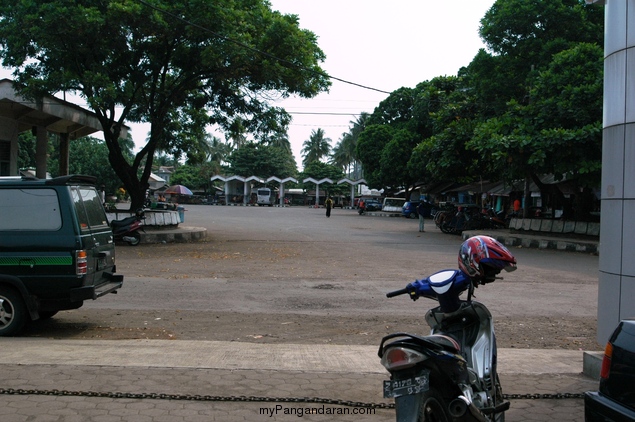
{"x":394,"y":170}
{"x":319,"y":170}
{"x":370,"y":146}
{"x":261,"y":160}
{"x":559,"y":131}
{"x":524,"y":36}
{"x":193,"y":176}
{"x":316,"y":147}
{"x":26,"y":150}
{"x":344,"y":154}
{"x":87,"y":156}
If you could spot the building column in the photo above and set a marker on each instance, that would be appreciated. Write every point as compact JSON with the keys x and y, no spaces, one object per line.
{"x":64,"y":154}
{"x":616,"y":289}
{"x":41,"y":151}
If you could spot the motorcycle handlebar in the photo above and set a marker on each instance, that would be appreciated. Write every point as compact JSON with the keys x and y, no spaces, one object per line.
{"x":397,"y":292}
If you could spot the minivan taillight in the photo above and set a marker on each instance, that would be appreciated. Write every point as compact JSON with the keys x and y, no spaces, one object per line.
{"x":81,"y":262}
{"x":606,"y":361}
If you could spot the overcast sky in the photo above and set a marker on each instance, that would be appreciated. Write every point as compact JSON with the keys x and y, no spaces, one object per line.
{"x":380,"y":44}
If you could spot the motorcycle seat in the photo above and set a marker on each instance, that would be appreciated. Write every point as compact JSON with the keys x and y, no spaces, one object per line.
{"x":447,"y":342}
{"x":121,"y":223}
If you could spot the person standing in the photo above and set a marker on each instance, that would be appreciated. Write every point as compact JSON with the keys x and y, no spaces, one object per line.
{"x":328,"y":204}
{"x":517,"y":207}
{"x":362,"y":207}
{"x":421,"y":209}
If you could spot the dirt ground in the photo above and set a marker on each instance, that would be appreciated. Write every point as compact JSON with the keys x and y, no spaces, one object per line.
{"x":523,"y":333}
{"x":196,"y":260}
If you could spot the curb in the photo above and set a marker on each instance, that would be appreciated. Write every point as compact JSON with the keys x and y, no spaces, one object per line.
{"x":173,"y":234}
{"x":592,"y":364}
{"x":539,"y":242}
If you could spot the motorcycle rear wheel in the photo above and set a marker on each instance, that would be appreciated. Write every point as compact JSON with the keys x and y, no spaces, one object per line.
{"x":134,"y":239}
{"x":433,"y":407}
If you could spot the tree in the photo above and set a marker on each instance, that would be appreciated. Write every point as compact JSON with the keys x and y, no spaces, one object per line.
{"x":559,"y":132}
{"x":219,"y":152}
{"x":446,"y":115}
{"x":154,"y":60}
{"x":87,"y":156}
{"x":316,"y":147}
{"x":262,"y":160}
{"x":394,"y":170}
{"x":522,"y":38}
{"x":344,"y":154}
{"x":194,"y":177}
{"x":26,"y":150}
{"x":319,"y":170}
{"x":370,"y":145}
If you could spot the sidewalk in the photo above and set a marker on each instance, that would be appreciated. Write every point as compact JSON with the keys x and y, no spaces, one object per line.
{"x":207,"y":380}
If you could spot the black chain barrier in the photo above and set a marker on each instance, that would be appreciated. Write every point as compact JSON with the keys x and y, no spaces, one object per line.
{"x":197,"y":397}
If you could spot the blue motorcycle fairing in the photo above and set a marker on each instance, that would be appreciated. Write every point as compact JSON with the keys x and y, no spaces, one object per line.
{"x":444,"y":286}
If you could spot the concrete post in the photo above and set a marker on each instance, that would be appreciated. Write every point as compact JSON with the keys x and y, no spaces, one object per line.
{"x":616,"y":290}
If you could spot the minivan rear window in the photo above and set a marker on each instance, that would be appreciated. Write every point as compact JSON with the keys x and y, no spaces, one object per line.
{"x":29,"y":209}
{"x":90,"y":211}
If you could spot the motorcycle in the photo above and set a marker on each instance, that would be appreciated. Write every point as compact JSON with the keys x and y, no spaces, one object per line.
{"x":127,"y":230}
{"x":449,"y":375}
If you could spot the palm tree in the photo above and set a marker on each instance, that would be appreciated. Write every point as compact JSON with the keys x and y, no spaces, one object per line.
{"x":315,"y":148}
{"x":339,"y":155}
{"x":345,"y":152}
{"x":218,"y":152}
{"x":281,"y":141}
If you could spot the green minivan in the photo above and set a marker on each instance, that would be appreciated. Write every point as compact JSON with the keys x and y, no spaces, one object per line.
{"x":56,"y":248}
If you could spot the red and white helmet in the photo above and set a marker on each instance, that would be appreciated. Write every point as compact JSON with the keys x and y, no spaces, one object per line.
{"x":482,"y":257}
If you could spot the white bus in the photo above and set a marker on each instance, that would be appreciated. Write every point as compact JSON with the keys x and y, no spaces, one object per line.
{"x":264,"y":197}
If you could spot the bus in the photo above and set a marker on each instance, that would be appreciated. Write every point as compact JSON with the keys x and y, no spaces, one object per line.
{"x":264,"y":197}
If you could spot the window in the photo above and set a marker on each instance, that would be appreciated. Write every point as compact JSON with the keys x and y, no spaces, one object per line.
{"x":29,"y":209}
{"x":90,"y":211}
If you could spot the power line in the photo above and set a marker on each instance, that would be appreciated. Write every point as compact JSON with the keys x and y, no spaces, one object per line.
{"x":255,"y":50}
{"x":323,"y":114}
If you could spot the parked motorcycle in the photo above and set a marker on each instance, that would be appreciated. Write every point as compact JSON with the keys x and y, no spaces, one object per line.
{"x":450,"y":375}
{"x":127,"y":230}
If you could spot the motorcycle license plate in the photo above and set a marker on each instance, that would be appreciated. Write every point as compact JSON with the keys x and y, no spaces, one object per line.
{"x":407,"y":386}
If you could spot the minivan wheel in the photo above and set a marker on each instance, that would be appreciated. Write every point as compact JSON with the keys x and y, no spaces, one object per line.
{"x":12,"y":312}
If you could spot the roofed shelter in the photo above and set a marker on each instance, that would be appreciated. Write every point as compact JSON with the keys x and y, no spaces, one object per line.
{"x":44,"y":115}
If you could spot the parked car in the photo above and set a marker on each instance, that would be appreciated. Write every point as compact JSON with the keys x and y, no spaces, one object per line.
{"x":615,"y":399}
{"x":409,"y":209}
{"x":372,"y":205}
{"x":57,"y":249}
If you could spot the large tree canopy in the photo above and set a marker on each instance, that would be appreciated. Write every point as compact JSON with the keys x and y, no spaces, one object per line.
{"x":522,"y":36}
{"x":158,"y":61}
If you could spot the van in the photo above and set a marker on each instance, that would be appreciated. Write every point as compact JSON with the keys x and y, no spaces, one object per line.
{"x":56,"y":248}
{"x":263,"y":197}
